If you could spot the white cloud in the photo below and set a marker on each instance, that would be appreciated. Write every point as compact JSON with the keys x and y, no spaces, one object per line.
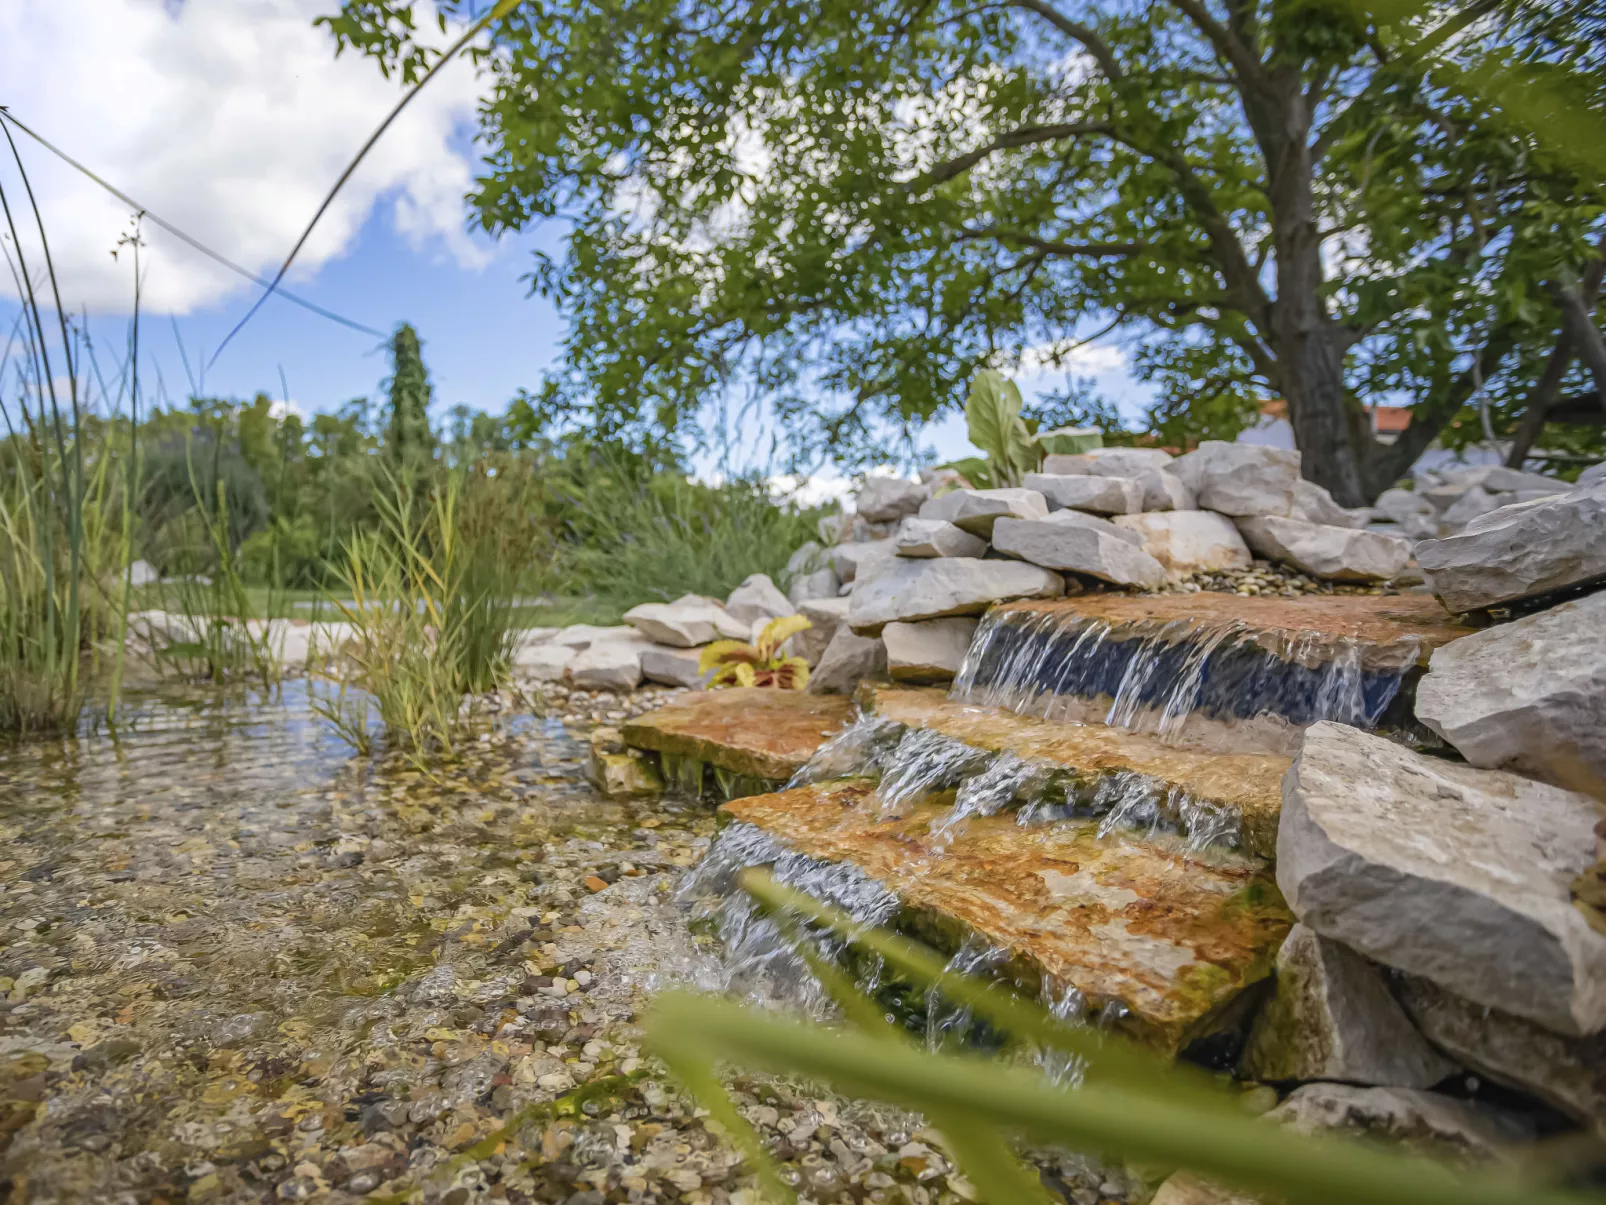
{"x":231,"y":119}
{"x":1091,"y":358}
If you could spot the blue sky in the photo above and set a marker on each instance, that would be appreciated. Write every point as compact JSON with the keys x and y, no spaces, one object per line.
{"x":240,"y":118}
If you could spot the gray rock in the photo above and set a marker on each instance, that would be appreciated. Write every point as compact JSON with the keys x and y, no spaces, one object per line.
{"x":756,"y":599}
{"x":1240,"y":479}
{"x":1189,"y":541}
{"x":847,"y":661}
{"x":1399,"y":505}
{"x":826,"y":615}
{"x":1528,"y":696}
{"x":1424,"y":1121}
{"x":834,"y":528}
{"x":1078,"y":518}
{"x":822,"y":583}
{"x":1567,"y":1073}
{"x":1594,"y":473}
{"x":977,"y":510}
{"x":934,"y":589}
{"x":1332,"y":1018}
{"x":671,"y":666}
{"x":1336,"y":553}
{"x":143,"y":573}
{"x":1453,"y":873}
{"x":1469,"y":506}
{"x":1164,"y":491}
{"x":1126,"y":462}
{"x":1314,"y":504}
{"x":1074,"y":546}
{"x":543,"y":662}
{"x":1185,"y":1188}
{"x":849,"y":559}
{"x":936,"y":537}
{"x":806,"y":559}
{"x":1521,"y":551}
{"x":686,"y":623}
{"x":1098,"y":494}
{"x":929,"y":651}
{"x":609,"y":665}
{"x":888,"y":499}
{"x":1498,"y":479}
{"x":581,"y":636}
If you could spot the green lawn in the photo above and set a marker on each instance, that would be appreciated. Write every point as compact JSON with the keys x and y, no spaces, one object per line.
{"x":319,"y":604}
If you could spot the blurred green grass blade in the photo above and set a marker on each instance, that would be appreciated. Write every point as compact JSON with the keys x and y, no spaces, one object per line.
{"x":1107,"y":1056}
{"x":1219,"y":1142}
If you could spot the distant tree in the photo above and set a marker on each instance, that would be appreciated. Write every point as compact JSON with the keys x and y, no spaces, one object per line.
{"x":409,"y":441}
{"x":849,"y":205}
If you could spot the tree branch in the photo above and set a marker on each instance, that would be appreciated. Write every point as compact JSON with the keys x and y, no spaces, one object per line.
{"x":1025,"y":136}
{"x":1226,"y":41}
{"x":1085,"y":34}
{"x":1050,"y":246}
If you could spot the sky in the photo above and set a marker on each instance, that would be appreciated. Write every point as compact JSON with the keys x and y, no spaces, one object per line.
{"x":231,"y":119}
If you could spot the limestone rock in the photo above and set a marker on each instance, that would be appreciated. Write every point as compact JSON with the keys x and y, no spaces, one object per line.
{"x":1098,"y":494}
{"x":808,"y":557}
{"x":1593,"y":474}
{"x":1314,"y":504}
{"x":1240,"y":479}
{"x":1442,"y":870}
{"x":849,"y":559}
{"x":888,"y":499}
{"x":543,"y":662}
{"x":1337,"y":553}
{"x":1425,"y":1121}
{"x":1520,"y":551}
{"x":581,"y":636}
{"x":609,"y":665}
{"x":757,"y":598}
{"x":1332,"y":1018}
{"x":1399,"y":505}
{"x":936,"y":537}
{"x":1567,"y":1073}
{"x":687,"y":622}
{"x":847,"y":661}
{"x":1109,"y":462}
{"x":929,"y":651}
{"x":671,"y":666}
{"x":834,"y":529}
{"x":1072,"y":546}
{"x":1528,"y":696}
{"x":1164,"y":491}
{"x":821,"y":583}
{"x":1469,"y":506}
{"x":1189,"y":541}
{"x":977,"y":510}
{"x":1078,"y":518}
{"x":826,"y":615}
{"x":1185,"y":1188}
{"x":935,"y":589}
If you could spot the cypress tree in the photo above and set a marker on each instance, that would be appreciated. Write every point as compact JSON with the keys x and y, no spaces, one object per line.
{"x":408,"y":439}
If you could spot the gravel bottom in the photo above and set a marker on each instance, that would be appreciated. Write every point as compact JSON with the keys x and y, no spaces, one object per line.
{"x":238,"y":964}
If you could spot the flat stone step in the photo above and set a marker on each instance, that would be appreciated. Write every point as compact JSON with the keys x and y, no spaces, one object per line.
{"x":749,"y":732}
{"x":1217,"y":671}
{"x":1247,"y":786}
{"x":1157,"y":941}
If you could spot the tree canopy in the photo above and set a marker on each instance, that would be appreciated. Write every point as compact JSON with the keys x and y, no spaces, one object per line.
{"x":849,"y":207}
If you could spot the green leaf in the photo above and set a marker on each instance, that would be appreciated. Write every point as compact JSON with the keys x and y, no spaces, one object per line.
{"x":1070,"y":441}
{"x":993,"y":421}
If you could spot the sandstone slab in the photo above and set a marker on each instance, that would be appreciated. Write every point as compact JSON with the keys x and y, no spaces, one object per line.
{"x":1078,"y":548}
{"x":1097,"y":494}
{"x":929,"y":538}
{"x":1520,"y":551}
{"x":756,"y":601}
{"x":1332,"y":1018}
{"x":847,"y":660}
{"x":1240,"y":479}
{"x":910,"y":590}
{"x":686,"y":623}
{"x":1528,"y":696}
{"x":752,"y":731}
{"x":1169,"y":938}
{"x":929,"y":651}
{"x":1336,"y":553}
{"x":888,"y":499}
{"x":977,"y":510}
{"x":1456,"y":874}
{"x":1189,"y":541}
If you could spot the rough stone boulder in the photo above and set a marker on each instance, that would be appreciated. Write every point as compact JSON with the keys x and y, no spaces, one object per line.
{"x":671,"y":666}
{"x":821,"y":583}
{"x":1567,"y":1073}
{"x":1337,"y":553}
{"x":1520,"y":551}
{"x":849,"y":560}
{"x":613,"y":664}
{"x":848,"y":660}
{"x":977,"y":510}
{"x":1069,"y":545}
{"x":936,"y":589}
{"x":826,"y":615}
{"x":543,"y":662}
{"x":1400,"y":505}
{"x":1332,"y":1018}
{"x":1240,"y":479}
{"x":1593,"y":474}
{"x":1109,"y":462}
{"x":757,"y":600}
{"x":1189,"y":541}
{"x":1426,"y":1122}
{"x":1314,"y":504}
{"x":1164,"y":491}
{"x":1528,"y":696}
{"x":1099,"y":494}
{"x":888,"y":499}
{"x":1456,"y":874}
{"x":929,"y":651}
{"x":687,"y":622}
{"x":936,"y":537}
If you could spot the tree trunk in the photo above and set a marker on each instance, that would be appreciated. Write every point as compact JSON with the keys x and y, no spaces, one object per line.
{"x":1580,"y":326}
{"x":1312,"y":361}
